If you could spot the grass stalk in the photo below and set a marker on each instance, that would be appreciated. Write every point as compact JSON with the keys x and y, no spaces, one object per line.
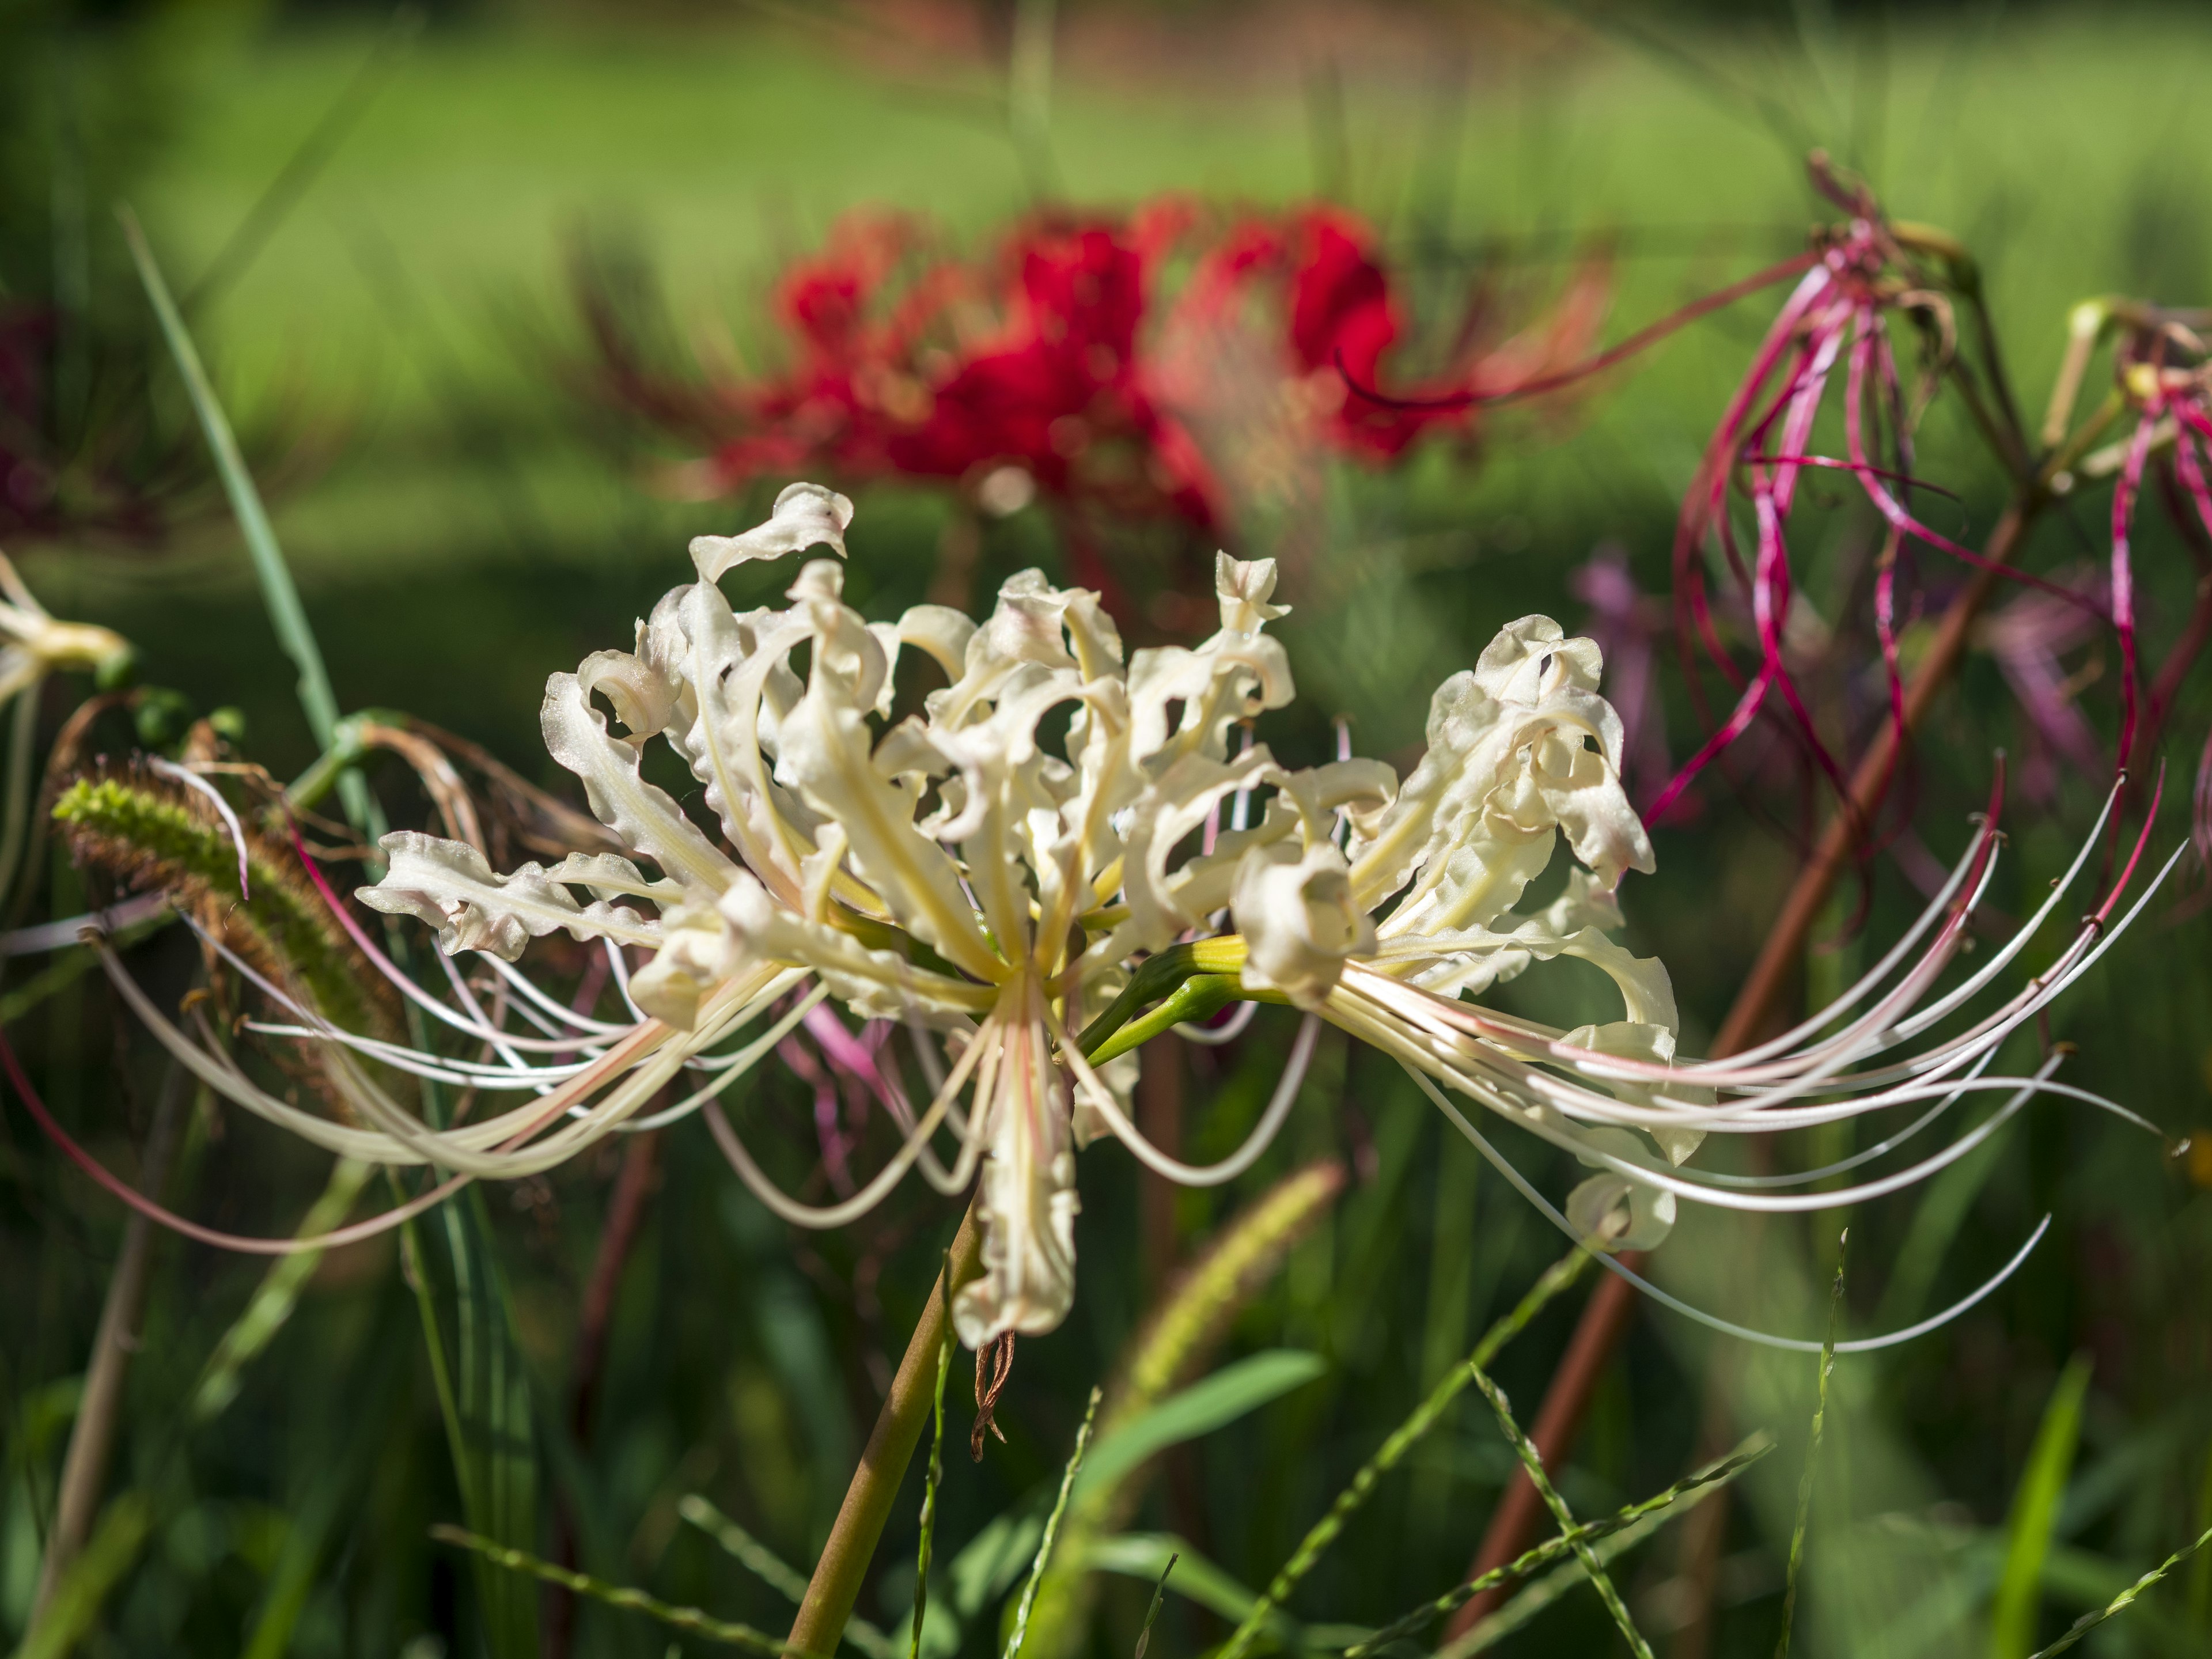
{"x":1693,"y":1488}
{"x":935,"y":1472}
{"x":1051,"y":1527}
{"x":2123,"y":1600}
{"x":1812,"y":1454}
{"x":1559,"y":1277}
{"x":1599,"y":1579}
{"x":692,"y":1621}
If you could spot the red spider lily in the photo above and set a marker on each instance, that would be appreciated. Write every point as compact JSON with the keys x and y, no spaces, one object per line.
{"x":1068,"y":362}
{"x":1839,"y":313}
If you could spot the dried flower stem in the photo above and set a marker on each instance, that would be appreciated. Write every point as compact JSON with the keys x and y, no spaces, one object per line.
{"x":84,"y":1467}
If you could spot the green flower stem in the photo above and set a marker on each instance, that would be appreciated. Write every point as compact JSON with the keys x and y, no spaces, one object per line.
{"x":868,"y":1506}
{"x":1559,"y":1277}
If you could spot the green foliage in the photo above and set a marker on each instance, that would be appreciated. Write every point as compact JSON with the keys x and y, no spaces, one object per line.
{"x":2034,"y":1512}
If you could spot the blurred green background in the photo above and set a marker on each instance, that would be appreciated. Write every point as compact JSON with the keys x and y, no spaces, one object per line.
{"x":402,"y":357}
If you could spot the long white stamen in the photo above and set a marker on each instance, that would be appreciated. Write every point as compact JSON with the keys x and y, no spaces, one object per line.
{"x":1714,"y":1322}
{"x":1195,"y":1174}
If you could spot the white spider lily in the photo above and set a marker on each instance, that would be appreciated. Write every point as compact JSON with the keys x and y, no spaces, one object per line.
{"x":964,"y":873}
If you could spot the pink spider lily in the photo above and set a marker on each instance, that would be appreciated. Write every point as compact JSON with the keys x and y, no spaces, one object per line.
{"x":1837,"y":316}
{"x":1026,"y":897}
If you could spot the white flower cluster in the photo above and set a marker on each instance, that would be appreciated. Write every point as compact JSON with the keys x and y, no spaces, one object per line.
{"x":995,"y":864}
{"x":1021,"y":859}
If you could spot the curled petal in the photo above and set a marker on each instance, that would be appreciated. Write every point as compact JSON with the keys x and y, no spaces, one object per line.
{"x":1243,"y":586}
{"x":647,"y":687}
{"x":695,"y":954}
{"x":646,"y":817}
{"x":1029,"y":1203}
{"x":448,"y":884}
{"x":1295,"y":908}
{"x":805,"y":515}
{"x":1615,"y":1215}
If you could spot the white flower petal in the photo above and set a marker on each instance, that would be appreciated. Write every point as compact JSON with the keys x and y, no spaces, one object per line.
{"x":645,"y":818}
{"x":1294,"y":907}
{"x":805,"y":515}
{"x":448,"y":884}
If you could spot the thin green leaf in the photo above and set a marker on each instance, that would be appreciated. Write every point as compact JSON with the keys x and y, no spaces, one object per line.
{"x":277,"y":1295}
{"x":1526,"y":1450}
{"x":2125,"y":1599}
{"x":1557,"y":1278}
{"x":1152,"y":1612}
{"x":1688,"y":1492}
{"x":295,"y":634}
{"x":1228,"y":1393}
{"x":1812,"y":1453}
{"x":691,"y":1620}
{"x":1052,"y":1527}
{"x":2200,"y":1576}
{"x":2034,"y":1510}
{"x":496,"y":1418}
{"x":317,"y":700}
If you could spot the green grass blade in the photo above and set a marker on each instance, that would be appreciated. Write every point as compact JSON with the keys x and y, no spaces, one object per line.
{"x":276,"y":1296}
{"x":1812,"y":1454}
{"x":1052,"y":1527}
{"x":764,"y":1563}
{"x":691,"y":1620}
{"x":1232,"y":1392}
{"x":2034,"y":1510}
{"x":1526,"y":1451}
{"x":317,"y":700}
{"x":1152,"y":1612}
{"x":495,"y":1421}
{"x":1559,"y":1277}
{"x":2124,"y":1599}
{"x":1688,"y":1492}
